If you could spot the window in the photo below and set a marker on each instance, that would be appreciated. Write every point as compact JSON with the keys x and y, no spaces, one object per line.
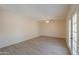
{"x":73,"y":33}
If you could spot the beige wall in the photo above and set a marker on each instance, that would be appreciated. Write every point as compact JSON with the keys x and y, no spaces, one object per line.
{"x":16,"y":28}
{"x":78,"y":30}
{"x":54,"y":29}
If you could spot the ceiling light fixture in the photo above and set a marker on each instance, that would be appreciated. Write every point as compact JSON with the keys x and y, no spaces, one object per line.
{"x":47,"y":21}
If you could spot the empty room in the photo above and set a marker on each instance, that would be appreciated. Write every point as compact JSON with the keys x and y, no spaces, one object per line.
{"x":39,"y":29}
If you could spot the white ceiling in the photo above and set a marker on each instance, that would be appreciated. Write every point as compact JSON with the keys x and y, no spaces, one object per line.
{"x":39,"y":11}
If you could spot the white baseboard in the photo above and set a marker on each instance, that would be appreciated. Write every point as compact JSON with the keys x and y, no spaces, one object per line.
{"x":53,"y":36}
